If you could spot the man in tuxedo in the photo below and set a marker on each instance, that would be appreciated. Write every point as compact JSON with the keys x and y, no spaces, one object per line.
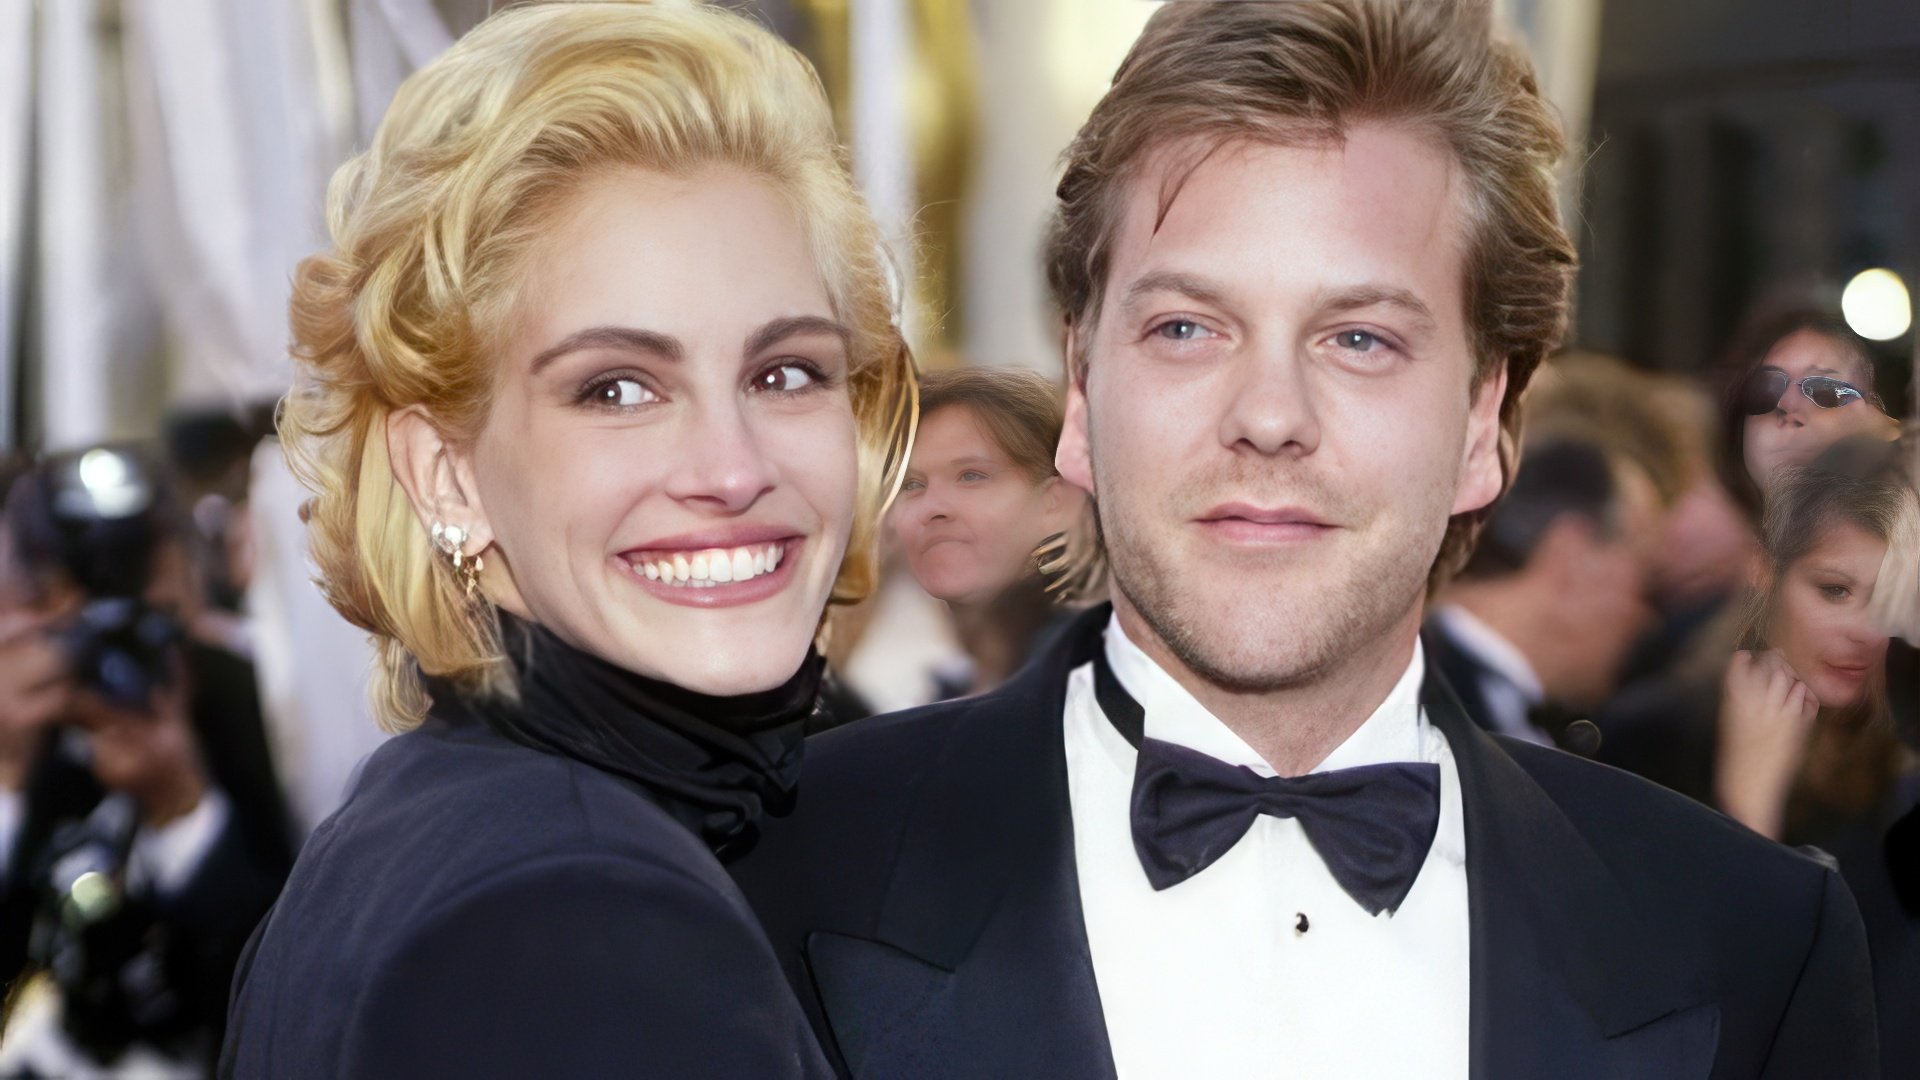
{"x":1539,"y":622}
{"x":1308,"y":255}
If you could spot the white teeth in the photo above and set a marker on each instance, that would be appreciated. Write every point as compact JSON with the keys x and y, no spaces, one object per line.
{"x":714,"y":566}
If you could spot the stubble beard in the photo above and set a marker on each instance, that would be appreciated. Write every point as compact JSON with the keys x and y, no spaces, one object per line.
{"x":1267,"y":636}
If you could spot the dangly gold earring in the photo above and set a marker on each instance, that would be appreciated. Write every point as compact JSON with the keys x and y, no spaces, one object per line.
{"x":1050,"y":556}
{"x":451,"y":541}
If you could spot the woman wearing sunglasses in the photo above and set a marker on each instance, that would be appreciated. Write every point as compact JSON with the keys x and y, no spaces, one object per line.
{"x":1803,"y":382}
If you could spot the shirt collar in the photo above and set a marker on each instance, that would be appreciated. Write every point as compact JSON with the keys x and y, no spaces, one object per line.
{"x":1395,"y":732}
{"x":1492,"y":649}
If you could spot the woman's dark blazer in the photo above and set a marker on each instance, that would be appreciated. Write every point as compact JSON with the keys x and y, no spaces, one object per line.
{"x":481,"y":909}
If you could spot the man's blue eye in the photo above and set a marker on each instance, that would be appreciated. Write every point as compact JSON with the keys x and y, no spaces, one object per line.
{"x":1357,"y":340}
{"x":1179,"y":329}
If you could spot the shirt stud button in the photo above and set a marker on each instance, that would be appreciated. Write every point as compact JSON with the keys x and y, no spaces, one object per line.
{"x":1300,"y":922}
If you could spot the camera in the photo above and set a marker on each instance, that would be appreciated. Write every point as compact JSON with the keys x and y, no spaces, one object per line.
{"x":94,"y":520}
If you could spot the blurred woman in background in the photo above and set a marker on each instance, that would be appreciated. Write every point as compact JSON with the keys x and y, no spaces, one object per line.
{"x":601,"y":398}
{"x":1800,"y":381}
{"x":1807,"y":748}
{"x":983,"y":518}
{"x":1806,"y":743}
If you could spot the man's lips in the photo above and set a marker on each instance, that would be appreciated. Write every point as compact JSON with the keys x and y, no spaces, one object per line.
{"x":1271,"y":524}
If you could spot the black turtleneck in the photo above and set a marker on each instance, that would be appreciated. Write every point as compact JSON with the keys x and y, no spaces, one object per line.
{"x":715,"y":764}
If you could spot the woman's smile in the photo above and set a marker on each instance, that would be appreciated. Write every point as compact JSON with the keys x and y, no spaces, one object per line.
{"x":715,"y":576}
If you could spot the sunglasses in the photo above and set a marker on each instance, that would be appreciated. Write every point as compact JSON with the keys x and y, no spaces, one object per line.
{"x":1766,"y":386}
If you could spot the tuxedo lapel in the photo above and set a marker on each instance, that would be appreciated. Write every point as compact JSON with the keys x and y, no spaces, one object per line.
{"x":1568,"y":980}
{"x":980,"y":964}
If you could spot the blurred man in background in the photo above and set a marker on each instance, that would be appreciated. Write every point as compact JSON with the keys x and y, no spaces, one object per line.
{"x":142,"y":825}
{"x":1539,"y":622}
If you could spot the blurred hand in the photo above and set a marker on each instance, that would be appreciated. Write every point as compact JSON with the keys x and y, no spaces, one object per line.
{"x":1871,"y":422}
{"x":1766,"y":715}
{"x":34,"y":689}
{"x":151,"y":755}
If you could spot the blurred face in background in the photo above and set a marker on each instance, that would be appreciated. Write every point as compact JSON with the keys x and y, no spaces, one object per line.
{"x":1797,"y":430}
{"x":1821,"y":623}
{"x":1602,"y":582}
{"x":969,"y":517}
{"x":668,"y":469}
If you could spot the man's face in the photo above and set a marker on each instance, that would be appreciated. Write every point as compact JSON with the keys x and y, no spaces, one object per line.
{"x":1278,"y":415}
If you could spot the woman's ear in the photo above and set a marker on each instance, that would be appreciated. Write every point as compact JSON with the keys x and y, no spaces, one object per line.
{"x":1759,"y":572}
{"x":437,"y":477}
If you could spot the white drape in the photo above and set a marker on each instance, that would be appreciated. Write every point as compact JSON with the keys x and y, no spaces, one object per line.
{"x":236,"y":129}
{"x":391,"y":39}
{"x":91,"y":311}
{"x":16,"y":129}
{"x":1048,"y":64}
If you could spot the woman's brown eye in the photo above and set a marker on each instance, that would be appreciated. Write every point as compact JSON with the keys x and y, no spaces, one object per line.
{"x":785,"y":379}
{"x":622,"y":392}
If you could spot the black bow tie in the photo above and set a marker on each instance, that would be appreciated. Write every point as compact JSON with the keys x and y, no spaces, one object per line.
{"x":1371,"y":825}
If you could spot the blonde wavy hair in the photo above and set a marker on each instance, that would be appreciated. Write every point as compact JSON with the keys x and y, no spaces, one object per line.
{"x":431,"y":229}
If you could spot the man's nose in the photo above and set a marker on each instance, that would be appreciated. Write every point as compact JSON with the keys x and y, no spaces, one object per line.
{"x":1271,"y":409}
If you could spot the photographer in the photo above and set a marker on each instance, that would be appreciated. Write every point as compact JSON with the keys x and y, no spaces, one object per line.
{"x":142,"y":828}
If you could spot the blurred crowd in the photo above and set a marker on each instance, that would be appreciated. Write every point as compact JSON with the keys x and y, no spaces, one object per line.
{"x":1713,"y":582}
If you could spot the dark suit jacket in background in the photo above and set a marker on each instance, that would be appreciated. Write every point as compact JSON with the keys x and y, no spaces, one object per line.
{"x":924,"y":901}
{"x":479,"y":909}
{"x":198,"y":931}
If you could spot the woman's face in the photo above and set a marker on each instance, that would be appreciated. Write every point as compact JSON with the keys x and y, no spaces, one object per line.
{"x":1820,"y":621}
{"x":668,"y":469}
{"x":1797,"y":430}
{"x":968,"y":517}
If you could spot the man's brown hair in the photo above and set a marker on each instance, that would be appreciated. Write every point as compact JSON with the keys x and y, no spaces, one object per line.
{"x":1292,"y":72}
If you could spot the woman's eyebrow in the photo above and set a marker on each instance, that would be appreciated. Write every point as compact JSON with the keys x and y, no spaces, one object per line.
{"x":632,"y":339}
{"x":780,"y":329}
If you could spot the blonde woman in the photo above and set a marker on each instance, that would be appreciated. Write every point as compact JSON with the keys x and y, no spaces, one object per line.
{"x":601,"y":397}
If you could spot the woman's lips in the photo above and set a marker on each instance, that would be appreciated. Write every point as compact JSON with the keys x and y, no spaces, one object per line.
{"x":716,"y":576}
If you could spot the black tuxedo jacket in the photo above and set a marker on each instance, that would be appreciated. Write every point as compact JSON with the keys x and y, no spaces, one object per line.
{"x":924,"y":902}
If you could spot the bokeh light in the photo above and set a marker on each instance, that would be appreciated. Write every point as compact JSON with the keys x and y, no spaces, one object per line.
{"x":1876,"y":305}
